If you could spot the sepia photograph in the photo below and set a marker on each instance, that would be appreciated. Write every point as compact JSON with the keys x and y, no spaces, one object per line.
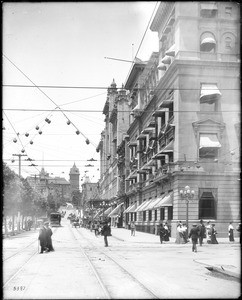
{"x":121,"y":167}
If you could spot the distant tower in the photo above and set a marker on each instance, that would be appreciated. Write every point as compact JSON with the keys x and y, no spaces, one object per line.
{"x":74,"y":178}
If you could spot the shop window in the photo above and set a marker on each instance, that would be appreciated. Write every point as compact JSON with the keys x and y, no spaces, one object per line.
{"x":207,"y":205}
{"x":156,"y":215}
{"x":150,"y":215}
{"x":144,"y":215}
{"x":170,"y":212}
{"x":162,"y":213}
{"x":135,"y":216}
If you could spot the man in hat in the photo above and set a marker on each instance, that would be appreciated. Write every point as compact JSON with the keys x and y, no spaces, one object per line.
{"x":201,"y":232}
{"x":48,"y":237}
{"x":42,"y":238}
{"x":106,"y":231}
{"x":194,"y":236}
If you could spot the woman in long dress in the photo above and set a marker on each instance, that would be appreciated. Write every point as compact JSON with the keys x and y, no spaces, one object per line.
{"x":231,"y":232}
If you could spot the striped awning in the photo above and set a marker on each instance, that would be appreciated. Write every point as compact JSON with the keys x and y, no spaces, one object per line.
{"x":107,"y":211}
{"x":143,"y":206}
{"x":116,"y":211}
{"x":166,"y":200}
{"x":131,"y":208}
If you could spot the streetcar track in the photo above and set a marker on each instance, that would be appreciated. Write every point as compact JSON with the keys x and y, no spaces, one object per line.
{"x":106,"y":292}
{"x":22,"y":249}
{"x":125,"y":271}
{"x":24,"y":264}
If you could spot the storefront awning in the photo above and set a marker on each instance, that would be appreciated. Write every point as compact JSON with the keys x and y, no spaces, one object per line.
{"x":98,"y":213}
{"x":107,"y":211}
{"x":209,"y":93}
{"x":116,"y":211}
{"x":142,"y":205}
{"x":153,"y":203}
{"x":171,"y":51}
{"x":209,"y":141}
{"x":166,"y":200}
{"x":131,"y":208}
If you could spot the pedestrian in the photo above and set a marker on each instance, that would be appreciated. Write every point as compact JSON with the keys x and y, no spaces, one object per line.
{"x":231,"y":232}
{"x":194,"y":236}
{"x":208,"y":232}
{"x":132,"y":226}
{"x":167,"y":232}
{"x":213,"y":235}
{"x":106,"y":231}
{"x":201,"y":232}
{"x":10,"y":224}
{"x":184,"y":232}
{"x":179,"y":233}
{"x":42,"y":238}
{"x":96,"y":229}
{"x":162,"y":232}
{"x":238,"y":228}
{"x":49,"y":233}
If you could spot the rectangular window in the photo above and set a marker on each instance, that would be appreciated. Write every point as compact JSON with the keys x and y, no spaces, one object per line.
{"x":156,"y":215}
{"x":135,"y":216}
{"x":162,"y":213}
{"x":144,"y":215}
{"x":208,"y":10}
{"x":207,"y":205}
{"x":170,"y":212}
{"x":150,"y":215}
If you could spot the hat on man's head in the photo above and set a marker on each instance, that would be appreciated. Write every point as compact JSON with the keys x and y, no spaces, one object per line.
{"x":46,"y":223}
{"x":194,"y":224}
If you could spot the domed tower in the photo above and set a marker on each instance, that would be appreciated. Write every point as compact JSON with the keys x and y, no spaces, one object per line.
{"x":74,"y":178}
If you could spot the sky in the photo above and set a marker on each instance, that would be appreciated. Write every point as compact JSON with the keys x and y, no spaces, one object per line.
{"x":65,"y":44}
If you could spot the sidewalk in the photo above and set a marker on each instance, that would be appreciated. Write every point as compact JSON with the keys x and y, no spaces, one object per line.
{"x":229,"y":266}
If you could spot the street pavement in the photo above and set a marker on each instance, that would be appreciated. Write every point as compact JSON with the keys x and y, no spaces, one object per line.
{"x":231,"y":266}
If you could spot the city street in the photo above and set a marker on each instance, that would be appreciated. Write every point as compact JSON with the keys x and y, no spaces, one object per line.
{"x":136,"y":267}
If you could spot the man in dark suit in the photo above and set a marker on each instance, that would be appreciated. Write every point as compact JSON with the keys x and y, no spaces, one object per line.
{"x":42,"y":238}
{"x":106,"y":231}
{"x":201,"y":232}
{"x":194,"y":236}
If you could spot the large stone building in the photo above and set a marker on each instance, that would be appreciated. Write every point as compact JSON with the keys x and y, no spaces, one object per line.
{"x":182,"y":109}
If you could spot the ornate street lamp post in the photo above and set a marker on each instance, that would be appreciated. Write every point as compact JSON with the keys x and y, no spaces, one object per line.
{"x":188,"y":195}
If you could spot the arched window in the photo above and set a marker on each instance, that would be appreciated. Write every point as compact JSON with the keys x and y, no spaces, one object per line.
{"x":207,"y":42}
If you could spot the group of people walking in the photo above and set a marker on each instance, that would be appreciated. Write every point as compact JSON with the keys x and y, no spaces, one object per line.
{"x":164,"y":232}
{"x":45,"y":239}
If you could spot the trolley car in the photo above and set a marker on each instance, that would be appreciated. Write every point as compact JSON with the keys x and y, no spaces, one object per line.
{"x":55,"y":219}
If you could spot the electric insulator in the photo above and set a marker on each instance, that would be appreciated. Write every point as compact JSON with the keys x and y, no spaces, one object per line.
{"x":77,"y":132}
{"x":22,"y":150}
{"x":49,"y":121}
{"x":12,"y":160}
{"x":37,"y":127}
{"x":27,"y":134}
{"x":15,"y":140}
{"x":68,"y":122}
{"x":31,"y":142}
{"x":87,"y":141}
{"x":46,"y":120}
{"x":40,"y":132}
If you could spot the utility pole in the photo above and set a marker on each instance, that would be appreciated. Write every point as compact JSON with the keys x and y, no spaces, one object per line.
{"x":19,"y":172}
{"x":19,"y":162}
